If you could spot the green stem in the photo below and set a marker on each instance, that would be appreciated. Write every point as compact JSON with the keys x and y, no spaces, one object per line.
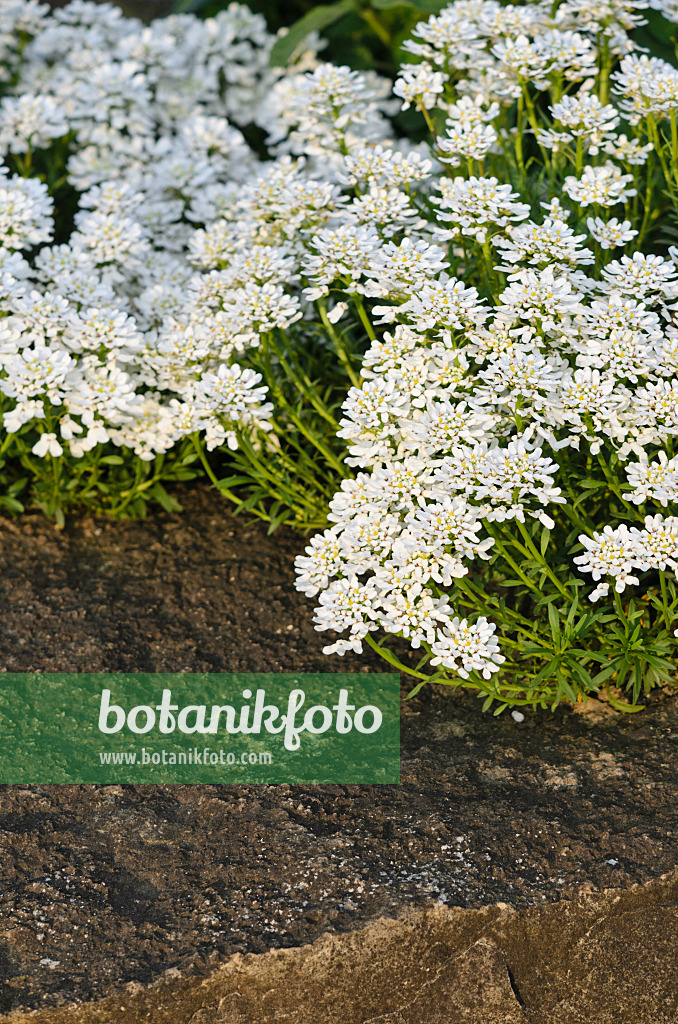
{"x":542,"y":561}
{"x":392,"y":660}
{"x":379,"y":29}
{"x":665,"y":600}
{"x":619,"y":607}
{"x":195,"y":437}
{"x":520,"y":159}
{"x":339,"y":346}
{"x":365,"y":320}
{"x":514,"y":565}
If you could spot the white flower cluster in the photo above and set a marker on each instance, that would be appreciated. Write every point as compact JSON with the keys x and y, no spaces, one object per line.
{"x":617,"y":552}
{"x":518,"y":325}
{"x":115,"y":325}
{"x":469,"y":408}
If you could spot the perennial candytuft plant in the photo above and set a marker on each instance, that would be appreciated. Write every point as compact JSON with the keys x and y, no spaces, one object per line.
{"x":512,"y":434}
{"x":457,"y":345}
{"x":147,"y":242}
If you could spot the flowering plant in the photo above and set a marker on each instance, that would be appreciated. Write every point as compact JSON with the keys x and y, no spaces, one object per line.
{"x":146,"y":248}
{"x":461,"y":349}
{"x":512,"y":434}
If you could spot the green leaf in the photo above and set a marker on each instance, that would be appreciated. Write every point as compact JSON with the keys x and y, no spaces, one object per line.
{"x":164,"y":499}
{"x":315,"y":21}
{"x":11,"y":504}
{"x":276,"y":522}
{"x":112,"y":460}
{"x":582,"y":675}
{"x":554,"y":622}
{"x":415,"y":690}
{"x":565,"y":686}
{"x":233,"y":481}
{"x":571,"y":614}
{"x":620,"y":706}
{"x":587,"y":481}
{"x":17,"y":487}
{"x":249,"y":504}
{"x":183,"y":474}
{"x":545,"y":538}
{"x":584,"y":496}
{"x":605,"y":674}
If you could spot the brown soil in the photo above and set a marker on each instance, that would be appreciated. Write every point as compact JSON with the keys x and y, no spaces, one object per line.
{"x":103,"y":886}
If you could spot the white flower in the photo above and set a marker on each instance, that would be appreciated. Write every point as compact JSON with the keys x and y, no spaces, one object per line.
{"x":236,"y":394}
{"x":335,"y":314}
{"x":404,"y":268}
{"x":626,"y":150}
{"x":648,"y":85}
{"x":420,"y":85}
{"x":653,"y":480}
{"x":471,"y":206}
{"x":604,"y":186}
{"x":640,"y":275}
{"x":609,"y":234}
{"x":25,"y":213}
{"x":22,"y":413}
{"x":466,"y":648}
{"x":610,"y":553}
{"x":30,"y":121}
{"x":544,"y":297}
{"x":446,"y":304}
{"x":586,"y":117}
{"x":325,"y":557}
{"x":543,"y":244}
{"x":413,"y":613}
{"x":344,"y":253}
{"x":347,"y":604}
{"x":464,"y":141}
{"x":616,"y":551}
{"x":47,"y":445}
{"x":657,"y":543}
{"x":36,"y":371}
{"x":385,"y":167}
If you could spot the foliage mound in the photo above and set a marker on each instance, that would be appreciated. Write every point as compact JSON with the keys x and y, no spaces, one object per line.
{"x":453,"y":336}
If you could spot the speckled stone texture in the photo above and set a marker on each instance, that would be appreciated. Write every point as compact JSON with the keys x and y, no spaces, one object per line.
{"x":604,"y":958}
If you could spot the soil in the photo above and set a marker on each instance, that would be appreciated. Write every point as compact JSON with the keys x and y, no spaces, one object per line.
{"x":105,"y":886}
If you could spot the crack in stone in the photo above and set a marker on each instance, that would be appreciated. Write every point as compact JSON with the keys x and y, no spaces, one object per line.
{"x":514,"y":987}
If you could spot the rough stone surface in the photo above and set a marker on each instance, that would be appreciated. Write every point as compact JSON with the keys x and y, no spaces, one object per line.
{"x":604,"y":958}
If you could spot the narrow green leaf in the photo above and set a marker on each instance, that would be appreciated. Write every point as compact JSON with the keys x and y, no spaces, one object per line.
{"x":314,"y":21}
{"x":545,"y":538}
{"x":554,"y":622}
{"x":164,"y":499}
